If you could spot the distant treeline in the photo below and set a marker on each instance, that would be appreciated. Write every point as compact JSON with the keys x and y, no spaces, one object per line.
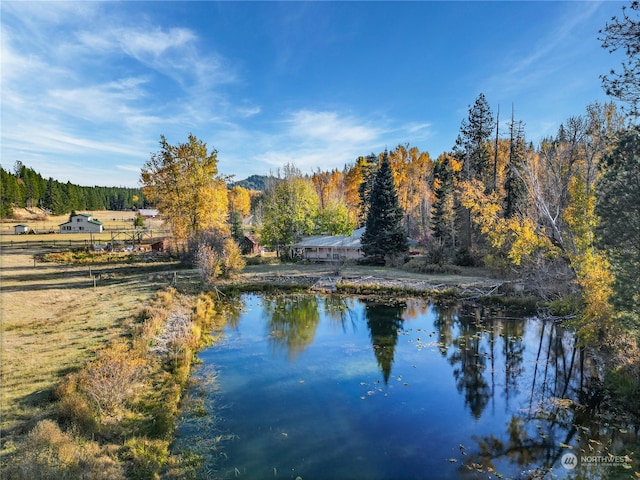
{"x":26,"y":188}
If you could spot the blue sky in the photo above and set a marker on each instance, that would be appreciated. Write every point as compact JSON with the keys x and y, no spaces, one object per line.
{"x":89,"y":87}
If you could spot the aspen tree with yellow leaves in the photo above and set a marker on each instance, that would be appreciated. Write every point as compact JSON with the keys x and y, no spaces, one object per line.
{"x":239,"y":200}
{"x":182,"y":181}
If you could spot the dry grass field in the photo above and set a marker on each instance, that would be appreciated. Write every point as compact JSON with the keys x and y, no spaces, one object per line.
{"x":53,"y":319}
{"x":36,"y":220}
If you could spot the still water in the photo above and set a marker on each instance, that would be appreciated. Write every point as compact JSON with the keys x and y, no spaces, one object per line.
{"x":340,"y":388}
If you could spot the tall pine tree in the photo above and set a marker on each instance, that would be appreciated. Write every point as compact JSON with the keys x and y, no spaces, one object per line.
{"x":384,"y":238}
{"x":515,"y":188}
{"x":444,"y":210}
{"x":472,"y":148}
{"x":618,"y":206}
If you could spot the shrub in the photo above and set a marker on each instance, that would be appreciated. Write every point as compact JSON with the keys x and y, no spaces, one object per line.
{"x":48,"y":453}
{"x":437,"y":253}
{"x":145,"y":458}
{"x":262,"y":260}
{"x":421,"y":265}
{"x":466,"y":258}
{"x":73,"y":407}
{"x":217,"y":255}
{"x":111,"y":380}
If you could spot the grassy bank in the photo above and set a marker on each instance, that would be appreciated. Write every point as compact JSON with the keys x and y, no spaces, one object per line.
{"x":115,"y":416}
{"x":67,"y":327}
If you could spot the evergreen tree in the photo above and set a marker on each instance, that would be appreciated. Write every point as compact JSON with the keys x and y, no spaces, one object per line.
{"x":515,"y":188}
{"x":385,"y":237}
{"x":618,"y":206}
{"x":52,"y":198}
{"x":472,"y":148}
{"x":473,"y":142}
{"x":236,"y":226}
{"x":367,"y":166}
{"x":7,"y":193}
{"x":444,"y":212}
{"x":623,"y":34}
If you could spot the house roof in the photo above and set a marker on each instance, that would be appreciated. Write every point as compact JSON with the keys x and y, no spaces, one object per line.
{"x":149,"y":212}
{"x":329,"y":241}
{"x":87,"y":216}
{"x":250,"y":238}
{"x":21,"y":225}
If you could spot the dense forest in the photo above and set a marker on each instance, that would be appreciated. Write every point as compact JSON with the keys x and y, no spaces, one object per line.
{"x":26,"y":188}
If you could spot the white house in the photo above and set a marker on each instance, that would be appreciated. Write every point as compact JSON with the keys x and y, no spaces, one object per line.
{"x":20,"y":229}
{"x":328,"y":248}
{"x":81,"y":223}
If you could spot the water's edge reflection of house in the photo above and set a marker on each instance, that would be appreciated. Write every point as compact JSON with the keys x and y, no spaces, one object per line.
{"x":327,"y":248}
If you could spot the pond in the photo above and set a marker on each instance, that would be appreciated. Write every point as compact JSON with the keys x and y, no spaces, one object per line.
{"x":332,"y":387}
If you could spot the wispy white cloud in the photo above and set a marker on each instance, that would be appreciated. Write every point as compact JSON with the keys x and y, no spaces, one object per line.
{"x":329,"y":127}
{"x":80,"y":84}
{"x":314,"y":139}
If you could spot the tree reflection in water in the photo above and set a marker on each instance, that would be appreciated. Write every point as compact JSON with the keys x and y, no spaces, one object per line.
{"x":533,"y":369}
{"x":384,"y":322}
{"x":542,"y":432}
{"x":292,"y":322}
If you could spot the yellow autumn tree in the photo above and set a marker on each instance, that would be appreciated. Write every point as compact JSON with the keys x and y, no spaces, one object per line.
{"x":412,"y":171}
{"x":239,"y":200}
{"x":516,"y":236}
{"x":591,"y":266}
{"x":182,"y":181}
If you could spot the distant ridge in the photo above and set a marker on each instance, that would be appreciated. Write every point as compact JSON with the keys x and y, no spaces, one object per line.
{"x":254,"y":182}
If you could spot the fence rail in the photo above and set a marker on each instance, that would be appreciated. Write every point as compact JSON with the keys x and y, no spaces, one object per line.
{"x":46,"y":240}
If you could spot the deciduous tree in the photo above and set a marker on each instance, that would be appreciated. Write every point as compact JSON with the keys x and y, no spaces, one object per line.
{"x":239,"y":200}
{"x":290,"y":210}
{"x":182,"y":181}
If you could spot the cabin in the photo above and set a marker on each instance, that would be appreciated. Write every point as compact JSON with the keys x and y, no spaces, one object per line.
{"x":20,"y":229}
{"x":249,"y":245}
{"x":330,"y":248}
{"x":81,"y":223}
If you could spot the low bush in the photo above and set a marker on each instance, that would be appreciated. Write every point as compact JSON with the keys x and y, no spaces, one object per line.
{"x":467,"y":258}
{"x":145,"y":458}
{"x":262,"y":260}
{"x":217,"y":255}
{"x":566,"y":306}
{"x":48,"y":453}
{"x":74,"y":408}
{"x":422,"y":265}
{"x":437,"y":253}
{"x":113,"y":379}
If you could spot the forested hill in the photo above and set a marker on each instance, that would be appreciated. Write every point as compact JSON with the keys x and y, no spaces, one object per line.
{"x":24,"y":187}
{"x":254,"y":182}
